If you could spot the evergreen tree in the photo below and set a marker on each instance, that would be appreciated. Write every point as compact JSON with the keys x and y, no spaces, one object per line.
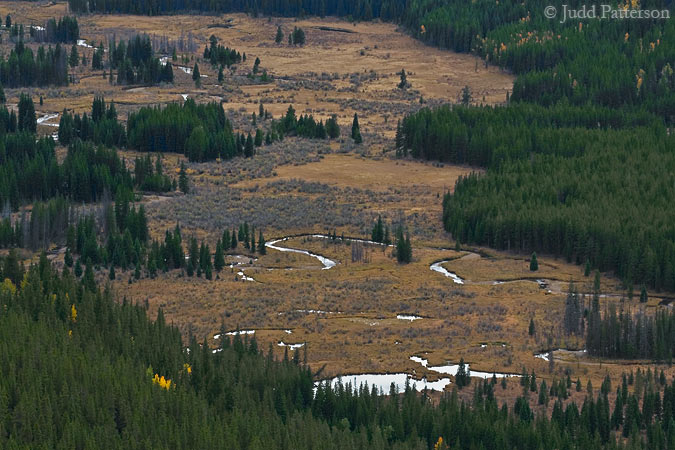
{"x":219,"y":257}
{"x":74,"y":58}
{"x":356,"y":130}
{"x":403,"y":84}
{"x":531,"y":327}
{"x":261,"y":244}
{"x":463,"y":376}
{"x":280,"y":35}
{"x":183,"y":182}
{"x":534,"y":265}
{"x":248,"y":147}
{"x":26,"y":120}
{"x":378,"y":231}
{"x":68,"y":258}
{"x":196,"y":76}
{"x":466,"y":96}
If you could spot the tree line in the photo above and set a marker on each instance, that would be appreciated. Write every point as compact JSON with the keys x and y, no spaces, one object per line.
{"x":22,"y":68}
{"x":100,"y":127}
{"x":607,"y":206}
{"x":135,"y":62}
{"x":65,"y":30}
{"x":239,"y":396}
{"x":30,"y":170}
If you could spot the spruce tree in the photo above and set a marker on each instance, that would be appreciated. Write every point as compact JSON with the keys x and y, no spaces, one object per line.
{"x":78,"y":269}
{"x":196,"y":76}
{"x":403,"y":84}
{"x":534,"y":265}
{"x":219,"y":257}
{"x":356,"y":130}
{"x":68,"y":258}
{"x":248,"y":147}
{"x":261,"y":244}
{"x":183,"y":182}
{"x":74,"y":58}
{"x":280,"y":35}
{"x":531,"y":328}
{"x":466,"y":96}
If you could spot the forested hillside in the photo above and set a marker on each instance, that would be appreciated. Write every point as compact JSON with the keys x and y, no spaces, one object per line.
{"x":107,"y":377}
{"x":579,"y":162}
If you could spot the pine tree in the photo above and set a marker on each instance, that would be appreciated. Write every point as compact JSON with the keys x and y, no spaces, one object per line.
{"x":356,"y":130}
{"x":403,"y":84}
{"x":643,"y":294}
{"x":378,"y":231}
{"x":74,"y":58}
{"x":219,"y":257}
{"x":26,"y":120}
{"x":183,"y":182}
{"x":466,"y":96}
{"x":68,"y":258}
{"x":221,"y":75}
{"x":463,"y":377}
{"x":332,"y":127}
{"x":88,"y":280}
{"x":531,"y":328}
{"x":78,"y":269}
{"x":248,"y":147}
{"x":261,"y":244}
{"x":534,"y":265}
{"x":280,"y":35}
{"x":196,"y":76}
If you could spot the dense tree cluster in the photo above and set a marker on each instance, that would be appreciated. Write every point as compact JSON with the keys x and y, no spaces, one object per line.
{"x":358,"y":9}
{"x":380,"y":232}
{"x":23,"y":68}
{"x":197,"y":258}
{"x":631,"y":335}
{"x":65,"y":30}
{"x":200,"y":132}
{"x":101,"y":127}
{"x":487,"y":136}
{"x":219,"y":55}
{"x":306,"y":126}
{"x":403,"y":246}
{"x":608,"y":205}
{"x":60,"y":332}
{"x":30,"y":170}
{"x":135,"y":62}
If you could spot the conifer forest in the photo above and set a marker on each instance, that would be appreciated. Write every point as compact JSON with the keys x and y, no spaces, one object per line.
{"x":337,"y":224}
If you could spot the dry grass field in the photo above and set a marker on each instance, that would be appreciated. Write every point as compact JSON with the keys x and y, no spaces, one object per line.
{"x":347,"y":315}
